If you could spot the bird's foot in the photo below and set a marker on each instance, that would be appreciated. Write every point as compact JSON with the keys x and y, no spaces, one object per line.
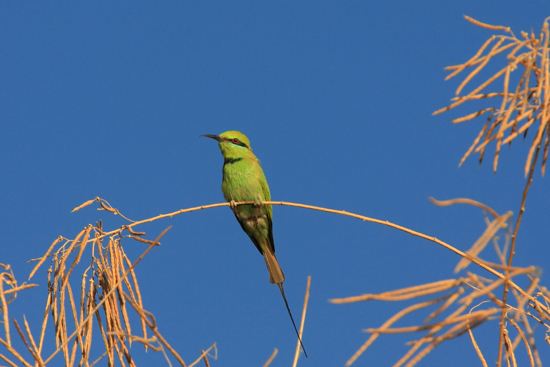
{"x":232,"y":204}
{"x":257,"y":203}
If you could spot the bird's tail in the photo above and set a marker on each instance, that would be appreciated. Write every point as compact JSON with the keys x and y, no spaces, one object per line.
{"x":276,"y":275}
{"x":291,"y":318}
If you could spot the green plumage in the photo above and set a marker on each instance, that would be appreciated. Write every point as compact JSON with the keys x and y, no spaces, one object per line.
{"x":244,"y":180}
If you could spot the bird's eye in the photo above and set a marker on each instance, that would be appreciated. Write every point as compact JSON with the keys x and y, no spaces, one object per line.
{"x":235,"y":140}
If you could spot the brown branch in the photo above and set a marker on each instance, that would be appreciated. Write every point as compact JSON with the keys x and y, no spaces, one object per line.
{"x":340,"y":212}
{"x":511,"y":256}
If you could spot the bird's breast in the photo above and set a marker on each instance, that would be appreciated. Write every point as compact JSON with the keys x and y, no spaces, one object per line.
{"x":241,"y":182}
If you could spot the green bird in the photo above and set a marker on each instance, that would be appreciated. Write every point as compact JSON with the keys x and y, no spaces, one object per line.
{"x":244,"y":180}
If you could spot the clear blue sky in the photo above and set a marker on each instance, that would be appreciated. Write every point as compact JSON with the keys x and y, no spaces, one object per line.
{"x":109,"y":99}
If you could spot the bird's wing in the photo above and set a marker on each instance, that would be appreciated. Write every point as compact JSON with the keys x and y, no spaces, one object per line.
{"x":270,"y":222}
{"x":268,"y":209}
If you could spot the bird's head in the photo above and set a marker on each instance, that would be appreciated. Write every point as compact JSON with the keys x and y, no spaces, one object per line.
{"x":233,"y":144}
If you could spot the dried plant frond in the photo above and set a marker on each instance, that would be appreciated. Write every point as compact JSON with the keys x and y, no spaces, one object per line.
{"x":461,"y":304}
{"x":514,"y":108}
{"x":107,"y":285}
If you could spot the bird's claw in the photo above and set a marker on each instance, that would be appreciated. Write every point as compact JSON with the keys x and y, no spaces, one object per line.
{"x":232,"y":204}
{"x":257,"y":203}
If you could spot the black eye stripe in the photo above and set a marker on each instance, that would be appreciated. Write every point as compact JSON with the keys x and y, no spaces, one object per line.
{"x":238,"y":142}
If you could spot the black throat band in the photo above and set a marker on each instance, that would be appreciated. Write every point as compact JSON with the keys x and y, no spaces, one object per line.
{"x":231,"y":160}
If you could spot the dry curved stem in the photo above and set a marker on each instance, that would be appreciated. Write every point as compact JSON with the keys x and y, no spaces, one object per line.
{"x":318,"y":208}
{"x":273,"y":355}
{"x":488,"y":26}
{"x":464,"y":201}
{"x":473,"y":259}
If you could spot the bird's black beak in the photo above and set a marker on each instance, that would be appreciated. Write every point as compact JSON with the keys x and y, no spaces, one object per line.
{"x":215,"y":137}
